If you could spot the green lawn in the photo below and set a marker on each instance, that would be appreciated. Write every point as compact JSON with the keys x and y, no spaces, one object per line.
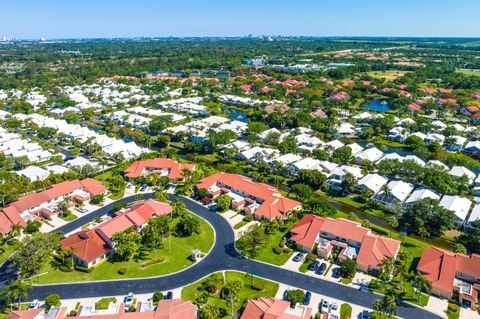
{"x":7,"y":249}
{"x":69,"y":217}
{"x":175,"y":259}
{"x":304,"y":266}
{"x":116,"y":192}
{"x":266,"y":254}
{"x":194,"y":291}
{"x":453,"y":311}
{"x":240,"y":224}
{"x":469,"y":72}
{"x":407,"y":295}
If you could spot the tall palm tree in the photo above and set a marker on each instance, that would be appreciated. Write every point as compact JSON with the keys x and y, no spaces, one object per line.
{"x":378,"y":305}
{"x":16,"y":230}
{"x":421,"y":283}
{"x":9,"y":295}
{"x":390,"y":305}
{"x":21,"y":288}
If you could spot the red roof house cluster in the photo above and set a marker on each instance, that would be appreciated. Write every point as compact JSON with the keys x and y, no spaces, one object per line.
{"x":340,"y":96}
{"x":449,"y":272}
{"x":261,"y":200}
{"x":162,"y":166}
{"x":349,"y":237}
{"x":271,"y":308}
{"x":92,"y":245}
{"x":34,"y":204}
{"x":166,"y":309}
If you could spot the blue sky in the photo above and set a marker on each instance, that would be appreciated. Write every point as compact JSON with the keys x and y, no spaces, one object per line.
{"x":122,"y":18}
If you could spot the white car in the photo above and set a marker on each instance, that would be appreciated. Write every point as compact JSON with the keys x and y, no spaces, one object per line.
{"x":334,"y":309}
{"x":324,"y":307}
{"x":129,"y":299}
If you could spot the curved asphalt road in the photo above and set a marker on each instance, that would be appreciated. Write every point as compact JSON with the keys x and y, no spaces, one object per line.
{"x":223,"y":256}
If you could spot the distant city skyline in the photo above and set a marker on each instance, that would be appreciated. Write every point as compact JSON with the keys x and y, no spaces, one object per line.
{"x":28,"y":19}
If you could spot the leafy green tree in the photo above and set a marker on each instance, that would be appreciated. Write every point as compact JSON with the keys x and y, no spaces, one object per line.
{"x":223,"y":202}
{"x":52,"y":300}
{"x":155,"y":231}
{"x":427,"y":214}
{"x":188,"y":225}
{"x":126,"y":244}
{"x":252,"y":241}
{"x":311,"y":177}
{"x":302,"y":190}
{"x":209,"y":311}
{"x":342,"y":155}
{"x":349,"y":182}
{"x":295,"y":296}
{"x":159,"y":124}
{"x":348,"y":267}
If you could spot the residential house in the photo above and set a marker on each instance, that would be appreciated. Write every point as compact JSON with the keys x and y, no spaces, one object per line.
{"x":261,"y":200}
{"x":44,"y":203}
{"x":419,"y":194}
{"x":452,"y":274}
{"x":271,"y":308}
{"x":396,"y":195}
{"x":460,"y":171}
{"x":91,"y":246}
{"x":372,"y":182}
{"x":371,"y":154}
{"x":161,"y":166}
{"x":336,"y":177}
{"x":349,"y":238}
{"x":457,"y":204}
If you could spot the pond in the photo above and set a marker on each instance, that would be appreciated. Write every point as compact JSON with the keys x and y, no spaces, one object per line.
{"x":237,"y":115}
{"x":377,"y":106}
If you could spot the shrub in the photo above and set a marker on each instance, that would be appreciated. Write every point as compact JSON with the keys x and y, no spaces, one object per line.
{"x":53,"y":300}
{"x":97,"y":199}
{"x":157,"y":297}
{"x":311,"y":257}
{"x":277,"y":250}
{"x":258,"y":286}
{"x":72,"y":313}
{"x":152,"y":262}
{"x":248,"y":218}
{"x":33,"y":226}
{"x":132,"y":307}
{"x":84,"y":269}
{"x":104,"y":303}
{"x":122,"y":271}
{"x":345,"y":311}
{"x":65,"y":268}
{"x":287,"y":250}
{"x":379,"y":230}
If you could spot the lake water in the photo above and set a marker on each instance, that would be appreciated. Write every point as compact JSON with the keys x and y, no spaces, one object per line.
{"x":377,"y":106}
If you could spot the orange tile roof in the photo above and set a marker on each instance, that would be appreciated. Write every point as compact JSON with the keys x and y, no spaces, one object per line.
{"x":87,"y":244}
{"x":274,"y":204}
{"x":166,"y":309}
{"x":175,"y":168}
{"x":373,"y":248}
{"x":9,"y":215}
{"x":439,"y":267}
{"x":271,"y":308}
{"x":97,"y":241}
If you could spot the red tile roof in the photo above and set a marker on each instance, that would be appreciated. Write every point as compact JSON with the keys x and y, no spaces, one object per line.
{"x":439,"y":267}
{"x":175,"y":168}
{"x":373,"y":248}
{"x":271,"y":308}
{"x":93,"y":243}
{"x":10,"y":214}
{"x":273,"y":205}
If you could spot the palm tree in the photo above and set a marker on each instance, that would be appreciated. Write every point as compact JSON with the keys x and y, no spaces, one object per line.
{"x":20,"y":289}
{"x":9,"y":296}
{"x":16,"y":230}
{"x":421,"y":284}
{"x":378,"y":305}
{"x":392,"y":222}
{"x":390,"y":305}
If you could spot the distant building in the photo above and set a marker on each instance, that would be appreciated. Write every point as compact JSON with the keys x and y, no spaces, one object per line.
{"x":161,"y":166}
{"x":271,"y":308}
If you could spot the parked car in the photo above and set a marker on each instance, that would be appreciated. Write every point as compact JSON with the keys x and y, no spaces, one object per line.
{"x":324,"y":306}
{"x":298,"y":257}
{"x":365,"y":314}
{"x":314,"y":265}
{"x":143,"y":188}
{"x":169,"y":295}
{"x":321,"y":269}
{"x":336,"y":273}
{"x":33,"y":305}
{"x":334,"y":309}
{"x":285,"y":294}
{"x":129,"y":299}
{"x":213,"y":208}
{"x":308,"y":297}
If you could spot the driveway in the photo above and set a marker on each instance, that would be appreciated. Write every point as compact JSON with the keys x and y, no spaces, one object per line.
{"x":223,"y":256}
